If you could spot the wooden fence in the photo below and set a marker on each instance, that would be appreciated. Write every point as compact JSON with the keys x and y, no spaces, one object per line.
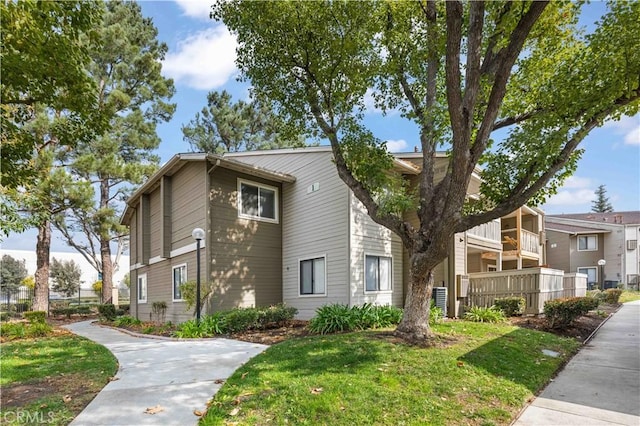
{"x":575,"y":285}
{"x":536,"y":285}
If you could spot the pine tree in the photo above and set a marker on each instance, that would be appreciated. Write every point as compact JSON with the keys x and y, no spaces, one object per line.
{"x":601,"y":204}
{"x":133,"y":99}
{"x":224,"y":126}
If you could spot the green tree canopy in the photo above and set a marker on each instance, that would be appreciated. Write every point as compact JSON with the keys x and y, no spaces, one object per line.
{"x":224,"y":126}
{"x":133,"y":98}
{"x":459,"y":71}
{"x":44,"y":49}
{"x":12,"y":272}
{"x":65,"y":275}
{"x":601,"y":204}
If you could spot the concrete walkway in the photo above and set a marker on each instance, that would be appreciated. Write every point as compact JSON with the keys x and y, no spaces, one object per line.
{"x":179,"y":376}
{"x":601,"y":384}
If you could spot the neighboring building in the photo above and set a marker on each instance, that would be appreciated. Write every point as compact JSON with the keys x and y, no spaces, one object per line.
{"x":576,"y":242}
{"x":281,"y":226}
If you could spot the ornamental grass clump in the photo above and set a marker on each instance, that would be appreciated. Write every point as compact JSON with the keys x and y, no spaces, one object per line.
{"x":481,"y":314}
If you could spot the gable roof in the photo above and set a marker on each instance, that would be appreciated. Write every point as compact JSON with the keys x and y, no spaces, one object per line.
{"x":613,"y":218}
{"x":179,"y":160}
{"x":571,"y":229}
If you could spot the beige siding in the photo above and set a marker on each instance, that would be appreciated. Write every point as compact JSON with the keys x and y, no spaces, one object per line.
{"x":369,"y":238}
{"x":157,"y":288}
{"x":585,"y":259}
{"x":133,"y":238}
{"x":188,"y":207}
{"x":558,"y":244}
{"x":155,"y":215}
{"x":314,"y":224}
{"x":166,"y":226}
{"x":246,"y":255}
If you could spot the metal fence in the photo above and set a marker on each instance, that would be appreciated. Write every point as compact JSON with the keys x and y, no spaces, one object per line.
{"x":16,"y":300}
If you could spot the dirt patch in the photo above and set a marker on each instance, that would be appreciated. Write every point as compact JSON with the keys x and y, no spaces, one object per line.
{"x":271,"y":336}
{"x":581,"y":328}
{"x":71,"y":388}
{"x":439,"y":341}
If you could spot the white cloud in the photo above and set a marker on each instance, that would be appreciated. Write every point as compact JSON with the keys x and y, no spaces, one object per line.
{"x":628,"y":128}
{"x":396,"y":145}
{"x":198,"y":9}
{"x":577,"y":182}
{"x":576,"y":192}
{"x":204,"y":60}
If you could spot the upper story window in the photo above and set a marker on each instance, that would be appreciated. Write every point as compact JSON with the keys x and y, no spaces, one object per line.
{"x":587,"y":242}
{"x":257,"y":201}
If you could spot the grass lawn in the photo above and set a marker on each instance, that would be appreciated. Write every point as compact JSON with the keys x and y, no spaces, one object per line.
{"x":50,"y":380}
{"x":629,"y":296}
{"x":481,"y":374}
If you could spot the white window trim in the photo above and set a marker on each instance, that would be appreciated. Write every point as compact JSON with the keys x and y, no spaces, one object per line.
{"x":173,"y":284}
{"x":587,"y":236}
{"x":326,"y":283}
{"x":596,"y":267}
{"x":364,"y":274}
{"x":259,"y":185}
{"x":146,"y":287}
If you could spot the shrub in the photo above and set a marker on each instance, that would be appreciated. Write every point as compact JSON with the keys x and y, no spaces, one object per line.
{"x":107,"y":311}
{"x":240,"y":319}
{"x":12,"y":330}
{"x":612,"y":295}
{"x":332,"y":319}
{"x":275,"y":314}
{"x":511,"y":306}
{"x":435,"y":313}
{"x":480,"y":314}
{"x":4,"y":316}
{"x":560,"y":313}
{"x":126,"y":308}
{"x":189,"y":330}
{"x":36,"y":317}
{"x":338,"y":318}
{"x":211,"y":325}
{"x":83,"y":310}
{"x":126,"y":320}
{"x":38,"y":329}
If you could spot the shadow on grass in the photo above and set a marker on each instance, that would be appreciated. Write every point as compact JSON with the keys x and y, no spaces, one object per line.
{"x":518,"y":357}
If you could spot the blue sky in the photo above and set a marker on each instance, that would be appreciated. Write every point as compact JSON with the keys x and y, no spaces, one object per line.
{"x":201,"y":59}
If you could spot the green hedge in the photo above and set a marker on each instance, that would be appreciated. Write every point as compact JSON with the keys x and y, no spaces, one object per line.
{"x":511,"y":306}
{"x":560,"y":313}
{"x":36,"y":317}
{"x":107,"y":311}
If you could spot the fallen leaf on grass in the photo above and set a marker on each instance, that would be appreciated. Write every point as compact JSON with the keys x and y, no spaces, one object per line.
{"x":244,"y":375}
{"x":460,"y":364}
{"x":113,"y":379}
{"x":316,"y":391}
{"x":154,"y":410}
{"x":66,"y":398}
{"x":234,"y":412}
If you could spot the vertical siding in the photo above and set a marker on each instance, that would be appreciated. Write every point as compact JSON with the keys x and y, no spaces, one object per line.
{"x":246,"y":255}
{"x":133,"y":237}
{"x":189,"y":198}
{"x":165,"y":226}
{"x":313,"y":224}
{"x":367,"y":237}
{"x":155,"y":217}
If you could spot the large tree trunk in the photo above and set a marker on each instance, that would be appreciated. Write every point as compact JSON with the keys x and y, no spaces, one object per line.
{"x":415,"y":321}
{"x":105,"y":247}
{"x":43,"y":249}
{"x":107,"y":271}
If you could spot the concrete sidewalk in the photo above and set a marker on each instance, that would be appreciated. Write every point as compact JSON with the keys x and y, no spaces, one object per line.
{"x":178,"y":375}
{"x":601,"y":384}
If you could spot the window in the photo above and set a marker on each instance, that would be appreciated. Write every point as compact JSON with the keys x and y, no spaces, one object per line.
{"x":377,"y":273}
{"x":313,"y":277}
{"x":142,"y":288}
{"x":591,"y":273}
{"x":179,"y":278}
{"x":257,"y":201}
{"x":587,"y":242}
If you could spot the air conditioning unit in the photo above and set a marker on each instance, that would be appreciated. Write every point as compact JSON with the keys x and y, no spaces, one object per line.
{"x":439,"y":296}
{"x":632,"y":244}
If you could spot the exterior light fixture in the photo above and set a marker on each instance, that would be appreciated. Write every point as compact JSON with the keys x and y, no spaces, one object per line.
{"x":198,"y":235}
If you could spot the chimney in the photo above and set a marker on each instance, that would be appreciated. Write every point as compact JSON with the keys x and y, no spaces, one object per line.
{"x":617,"y":218}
